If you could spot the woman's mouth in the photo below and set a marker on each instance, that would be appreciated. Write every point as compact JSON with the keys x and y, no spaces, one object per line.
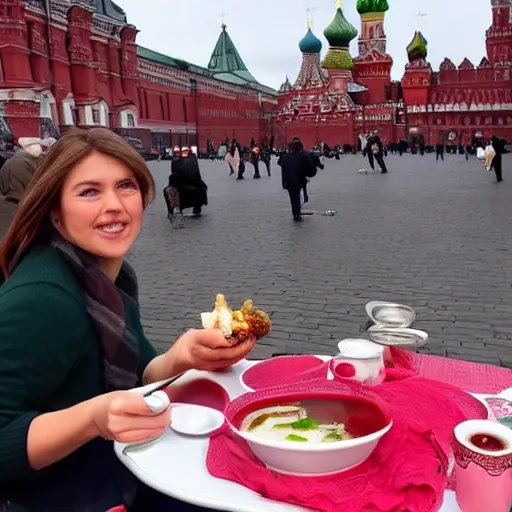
{"x":112,"y":229}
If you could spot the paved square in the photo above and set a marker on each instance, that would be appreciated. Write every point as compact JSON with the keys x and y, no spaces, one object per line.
{"x":435,"y":236}
{"x":432,"y":235}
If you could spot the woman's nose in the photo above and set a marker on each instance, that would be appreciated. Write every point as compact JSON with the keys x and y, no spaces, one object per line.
{"x":113,"y":201}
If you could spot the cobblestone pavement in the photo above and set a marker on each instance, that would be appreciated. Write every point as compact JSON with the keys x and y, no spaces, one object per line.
{"x":432,"y":235}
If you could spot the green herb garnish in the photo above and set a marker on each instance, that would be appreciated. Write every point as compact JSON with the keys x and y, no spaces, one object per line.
{"x":298,"y":439}
{"x":333,"y":436}
{"x":305,"y":424}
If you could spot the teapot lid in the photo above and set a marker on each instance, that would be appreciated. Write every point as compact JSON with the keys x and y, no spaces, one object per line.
{"x":353,"y":348}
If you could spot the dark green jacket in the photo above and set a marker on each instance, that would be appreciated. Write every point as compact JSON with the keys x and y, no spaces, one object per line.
{"x":50,"y":359}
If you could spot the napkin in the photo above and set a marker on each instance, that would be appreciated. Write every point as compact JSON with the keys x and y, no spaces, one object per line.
{"x":402,"y":365}
{"x":406,"y":472}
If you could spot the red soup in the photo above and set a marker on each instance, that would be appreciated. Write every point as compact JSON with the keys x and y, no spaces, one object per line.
{"x":487,"y":442}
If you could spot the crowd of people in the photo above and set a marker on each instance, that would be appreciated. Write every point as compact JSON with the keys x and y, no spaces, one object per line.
{"x":186,"y":188}
{"x":298,"y":166}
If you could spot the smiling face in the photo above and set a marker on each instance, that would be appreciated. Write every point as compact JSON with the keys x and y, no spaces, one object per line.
{"x":101,"y":208}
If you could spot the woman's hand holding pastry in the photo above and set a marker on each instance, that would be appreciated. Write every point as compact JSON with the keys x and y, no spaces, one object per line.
{"x":126,"y":417}
{"x":208,"y":350}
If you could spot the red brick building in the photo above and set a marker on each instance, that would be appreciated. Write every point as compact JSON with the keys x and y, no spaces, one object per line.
{"x":76,"y":62}
{"x":336,"y":99}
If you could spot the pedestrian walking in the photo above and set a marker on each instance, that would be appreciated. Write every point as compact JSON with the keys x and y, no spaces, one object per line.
{"x":375,"y":151}
{"x":499,"y":148}
{"x":296,"y":167}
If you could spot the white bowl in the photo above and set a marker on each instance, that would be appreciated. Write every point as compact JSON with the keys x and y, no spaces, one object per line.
{"x":356,"y":406}
{"x":316,"y":459}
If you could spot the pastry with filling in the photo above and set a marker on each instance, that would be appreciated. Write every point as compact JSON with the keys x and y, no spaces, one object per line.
{"x":241,"y":324}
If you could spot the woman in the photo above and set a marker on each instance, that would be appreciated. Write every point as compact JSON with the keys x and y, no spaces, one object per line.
{"x":71,"y":339}
{"x":237,"y":154}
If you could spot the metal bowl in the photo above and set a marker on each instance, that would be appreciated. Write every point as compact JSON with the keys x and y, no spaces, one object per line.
{"x":408,"y":339}
{"x":389,"y":314}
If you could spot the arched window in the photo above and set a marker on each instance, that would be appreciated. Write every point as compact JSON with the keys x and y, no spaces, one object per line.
{"x":128,"y":119}
{"x":45,"y":108}
{"x":103,"y":115}
{"x":68,"y":106}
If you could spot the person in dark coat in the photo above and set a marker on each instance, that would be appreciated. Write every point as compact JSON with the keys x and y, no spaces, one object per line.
{"x":375,"y":151}
{"x":186,"y":178}
{"x":266,"y":158}
{"x":296,"y":166}
{"x":440,"y":148}
{"x":318,"y":163}
{"x":499,"y":147}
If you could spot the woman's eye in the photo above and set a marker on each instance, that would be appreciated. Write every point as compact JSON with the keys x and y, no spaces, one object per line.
{"x":90,"y":192}
{"x":129,"y":185}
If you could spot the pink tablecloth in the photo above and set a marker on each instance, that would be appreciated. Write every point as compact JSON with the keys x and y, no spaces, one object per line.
{"x":472,"y":377}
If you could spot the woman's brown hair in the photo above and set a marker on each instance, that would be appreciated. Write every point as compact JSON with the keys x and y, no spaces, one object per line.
{"x":32,"y":222}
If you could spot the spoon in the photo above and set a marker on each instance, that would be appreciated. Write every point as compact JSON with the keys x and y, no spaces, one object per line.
{"x":195,"y":420}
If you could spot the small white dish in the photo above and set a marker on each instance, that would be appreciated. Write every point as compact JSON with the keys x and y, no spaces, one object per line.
{"x":408,"y":339}
{"x":195,"y":420}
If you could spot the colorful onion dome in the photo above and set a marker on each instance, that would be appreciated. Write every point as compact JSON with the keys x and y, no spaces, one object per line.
{"x":367,"y":6}
{"x":310,"y":43}
{"x":417,"y":49}
{"x":340,"y":32}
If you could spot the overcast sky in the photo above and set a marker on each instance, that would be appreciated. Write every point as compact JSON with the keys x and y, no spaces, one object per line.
{"x":267,"y":32}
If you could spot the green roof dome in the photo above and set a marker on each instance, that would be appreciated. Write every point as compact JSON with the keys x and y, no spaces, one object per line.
{"x":340,"y":32}
{"x":366,"y":6}
{"x":417,"y":48}
{"x":310,"y":43}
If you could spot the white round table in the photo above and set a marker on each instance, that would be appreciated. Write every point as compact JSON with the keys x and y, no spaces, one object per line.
{"x":175,"y":465}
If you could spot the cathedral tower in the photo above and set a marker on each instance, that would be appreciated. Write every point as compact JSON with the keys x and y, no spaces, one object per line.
{"x":499,"y":35}
{"x":372,"y":25}
{"x":310,"y":75}
{"x":373,"y":64}
{"x":418,"y":74}
{"x":338,"y":61}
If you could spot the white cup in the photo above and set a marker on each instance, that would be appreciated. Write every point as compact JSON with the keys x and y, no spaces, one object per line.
{"x":360,"y":360}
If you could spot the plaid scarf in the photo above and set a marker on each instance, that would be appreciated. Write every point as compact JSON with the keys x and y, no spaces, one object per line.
{"x":106,"y":308}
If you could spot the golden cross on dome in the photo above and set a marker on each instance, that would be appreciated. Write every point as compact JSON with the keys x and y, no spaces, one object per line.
{"x":339,"y":4}
{"x":223,"y":15}
{"x":310,"y":11}
{"x":420,"y":15}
